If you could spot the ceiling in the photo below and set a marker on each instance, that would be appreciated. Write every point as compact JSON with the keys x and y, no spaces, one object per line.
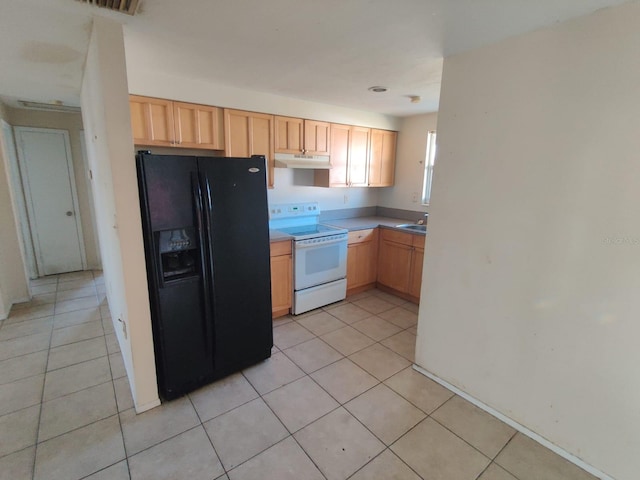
{"x":328,"y":51}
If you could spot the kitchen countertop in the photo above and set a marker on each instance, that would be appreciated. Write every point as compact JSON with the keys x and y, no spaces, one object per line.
{"x":278,"y":236}
{"x":364,"y":223}
{"x":353,"y":224}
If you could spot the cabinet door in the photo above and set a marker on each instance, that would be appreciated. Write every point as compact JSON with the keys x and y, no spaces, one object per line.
{"x":416,"y":272}
{"x":281,"y":284}
{"x":151,"y":121}
{"x":289,"y":135}
{"x":317,"y":137}
{"x":394,"y":265}
{"x":359,"y":156}
{"x":338,"y":175}
{"x":382,"y":158}
{"x":198,"y":126}
{"x":362,"y":262}
{"x":262,"y":141}
{"x":248,"y":133}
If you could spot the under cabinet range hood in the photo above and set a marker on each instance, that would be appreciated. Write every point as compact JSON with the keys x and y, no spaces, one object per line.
{"x":294,"y":160}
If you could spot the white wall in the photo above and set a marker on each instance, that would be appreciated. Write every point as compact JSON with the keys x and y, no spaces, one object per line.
{"x":105,"y":108}
{"x":410,"y":158}
{"x":72,"y":122}
{"x":293,"y":185}
{"x":13,"y":280}
{"x":531,"y":281}
{"x":290,"y":186}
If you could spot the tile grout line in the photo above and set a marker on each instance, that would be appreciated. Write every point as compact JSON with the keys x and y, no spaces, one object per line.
{"x":291,"y":435}
{"x":343,"y":405}
{"x":44,"y":382}
{"x":103,"y":335}
{"x":115,"y":398}
{"x":379,"y":382}
{"x":498,"y":454}
{"x":207,"y":435}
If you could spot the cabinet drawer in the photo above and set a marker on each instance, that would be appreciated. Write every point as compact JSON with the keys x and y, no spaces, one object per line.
{"x":395,"y":236}
{"x":360,"y":236}
{"x":281,"y":248}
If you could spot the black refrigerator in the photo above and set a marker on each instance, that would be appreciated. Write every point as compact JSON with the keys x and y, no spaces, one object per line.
{"x":206,"y":233}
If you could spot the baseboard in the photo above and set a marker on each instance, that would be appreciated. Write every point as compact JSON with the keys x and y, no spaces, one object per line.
{"x":360,"y":289}
{"x":148,"y":406}
{"x":520,"y":428}
{"x":393,"y":291}
{"x":280,"y":313}
{"x":8,"y":312}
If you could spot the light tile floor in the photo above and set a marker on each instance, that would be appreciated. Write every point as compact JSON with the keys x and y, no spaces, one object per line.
{"x":338,"y":399}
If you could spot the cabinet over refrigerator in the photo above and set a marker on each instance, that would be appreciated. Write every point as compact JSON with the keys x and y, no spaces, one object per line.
{"x":206,"y":234}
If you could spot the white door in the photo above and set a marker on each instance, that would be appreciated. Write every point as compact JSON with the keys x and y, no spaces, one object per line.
{"x":20,"y":208}
{"x":46,"y":168}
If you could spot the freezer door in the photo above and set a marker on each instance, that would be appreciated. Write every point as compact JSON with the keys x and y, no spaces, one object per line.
{"x":236,"y":215}
{"x":166,"y":180}
{"x":176,"y":271}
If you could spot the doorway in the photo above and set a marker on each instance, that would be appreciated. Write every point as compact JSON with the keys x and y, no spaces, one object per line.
{"x":46,"y":171}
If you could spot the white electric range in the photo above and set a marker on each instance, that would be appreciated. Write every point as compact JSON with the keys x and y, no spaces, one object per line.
{"x":319,"y":255}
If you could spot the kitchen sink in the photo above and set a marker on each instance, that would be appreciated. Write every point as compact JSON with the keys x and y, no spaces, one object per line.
{"x":413,"y":226}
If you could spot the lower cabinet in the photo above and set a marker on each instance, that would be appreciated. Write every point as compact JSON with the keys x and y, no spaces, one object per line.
{"x":415,"y":281}
{"x":400,"y":259}
{"x":281,"y":278}
{"x":362,"y":260}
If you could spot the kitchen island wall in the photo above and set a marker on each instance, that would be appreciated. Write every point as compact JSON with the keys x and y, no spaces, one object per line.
{"x":531,"y":279}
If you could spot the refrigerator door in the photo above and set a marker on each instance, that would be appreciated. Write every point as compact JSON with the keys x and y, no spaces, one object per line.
{"x":236,"y":215}
{"x":176,"y":264}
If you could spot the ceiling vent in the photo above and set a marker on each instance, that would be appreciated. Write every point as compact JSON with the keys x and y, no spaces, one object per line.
{"x":50,"y":107}
{"x":123,"y":6}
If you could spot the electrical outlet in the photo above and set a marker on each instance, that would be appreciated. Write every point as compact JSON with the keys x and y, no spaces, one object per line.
{"x":414,"y":198}
{"x":346,"y":199}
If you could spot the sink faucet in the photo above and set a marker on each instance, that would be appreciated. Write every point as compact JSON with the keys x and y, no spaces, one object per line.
{"x":423,"y":221}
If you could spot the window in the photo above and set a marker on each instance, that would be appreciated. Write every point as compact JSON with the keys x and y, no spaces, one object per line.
{"x":428,"y":167}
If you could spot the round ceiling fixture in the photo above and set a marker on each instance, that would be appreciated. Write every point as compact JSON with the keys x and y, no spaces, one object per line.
{"x":378,"y":89}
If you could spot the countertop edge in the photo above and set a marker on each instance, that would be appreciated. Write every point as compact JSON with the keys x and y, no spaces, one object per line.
{"x":353,"y":224}
{"x":366,"y":223}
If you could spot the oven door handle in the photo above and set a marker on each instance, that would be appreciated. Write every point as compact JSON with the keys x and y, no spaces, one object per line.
{"x":303,"y":243}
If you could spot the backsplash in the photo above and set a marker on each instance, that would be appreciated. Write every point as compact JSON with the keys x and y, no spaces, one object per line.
{"x":410,"y":215}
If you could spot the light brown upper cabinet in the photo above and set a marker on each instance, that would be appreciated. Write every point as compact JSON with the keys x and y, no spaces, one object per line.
{"x":382,"y":158}
{"x":349,"y":158}
{"x":296,"y":135}
{"x":289,"y":135}
{"x":198,"y":126}
{"x":359,"y":157}
{"x":155,"y":121}
{"x":249,"y":133}
{"x":152,"y":121}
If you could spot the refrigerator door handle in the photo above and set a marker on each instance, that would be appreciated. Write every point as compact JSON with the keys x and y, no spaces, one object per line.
{"x":207,"y":209}
{"x":196,"y":191}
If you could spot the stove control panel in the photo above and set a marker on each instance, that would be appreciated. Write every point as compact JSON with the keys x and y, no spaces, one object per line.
{"x":293,"y":210}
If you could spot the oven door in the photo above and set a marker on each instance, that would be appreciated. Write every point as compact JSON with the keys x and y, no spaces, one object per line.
{"x":319,"y":260}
